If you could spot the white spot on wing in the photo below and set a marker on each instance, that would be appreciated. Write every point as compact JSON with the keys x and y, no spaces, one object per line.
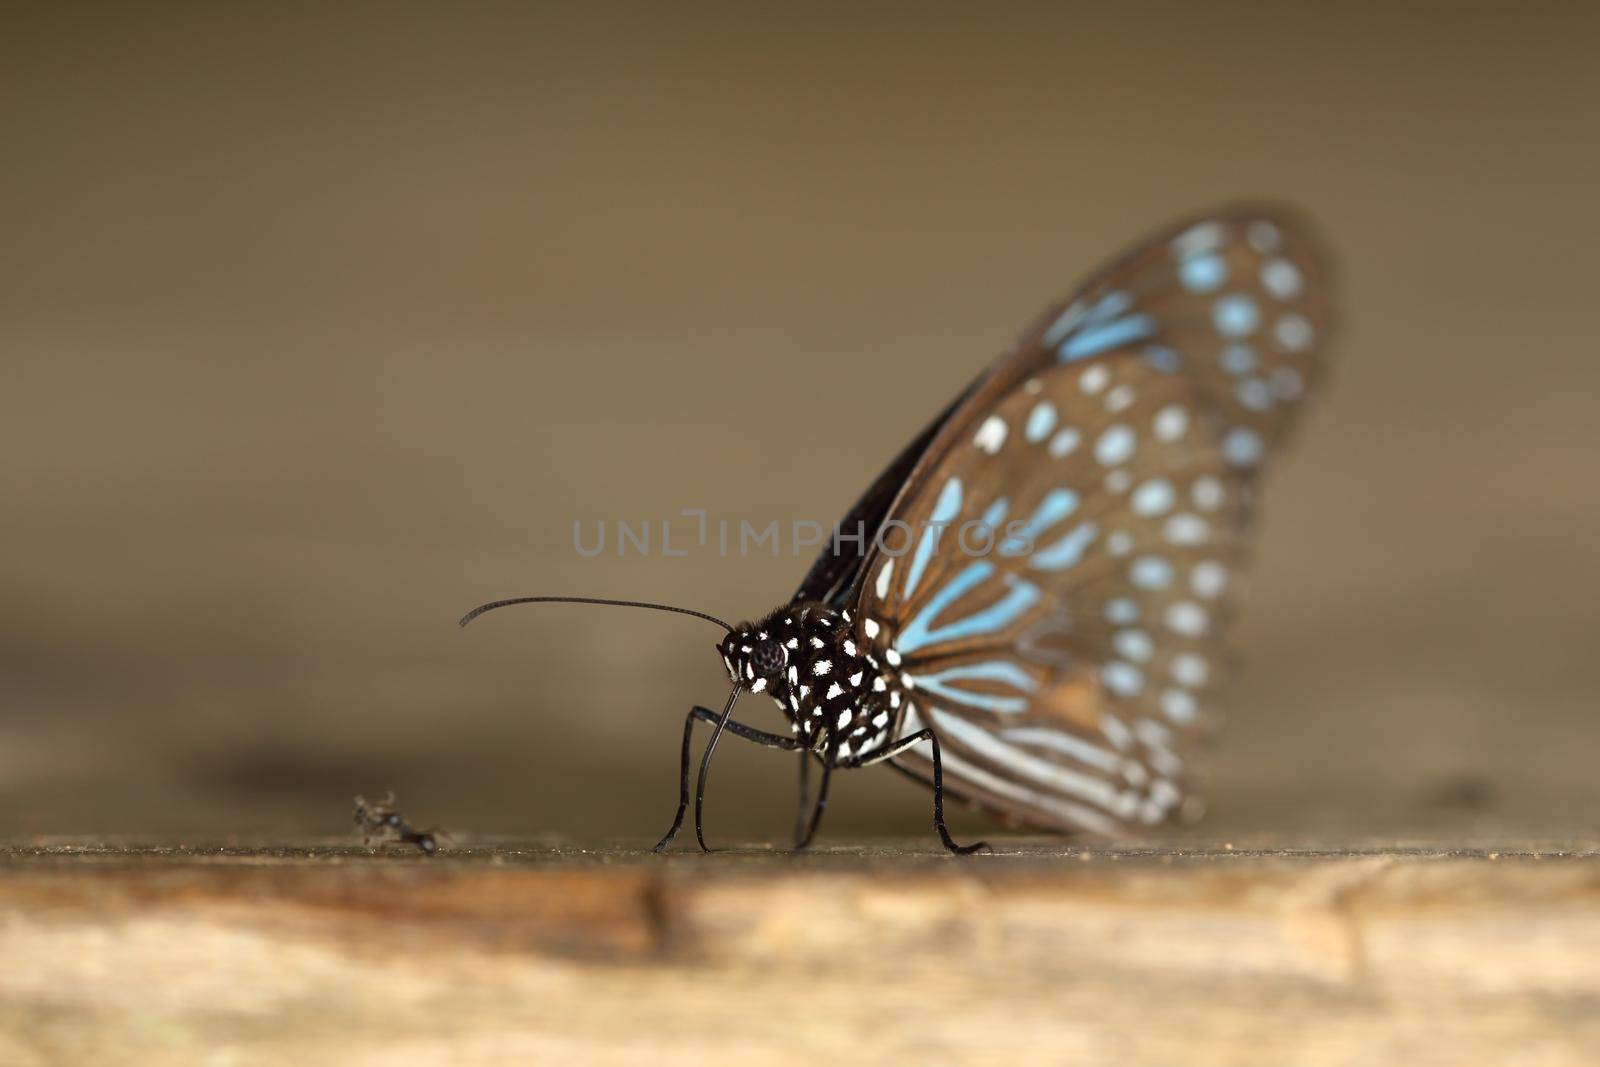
{"x":1253,"y":393}
{"x":1154,"y":497}
{"x":991,"y":435}
{"x":1094,"y":379}
{"x":1122,"y":610}
{"x":1170,"y":423}
{"x":1208,"y":579}
{"x":1123,"y":679}
{"x":1133,"y":644}
{"x":1178,"y":706}
{"x":1187,"y":618}
{"x":882,"y":586}
{"x":1187,"y":528}
{"x":1189,"y":669}
{"x":1241,"y":446}
{"x":1150,"y":572}
{"x":1293,"y":332}
{"x":1281,"y":278}
{"x":1237,"y":359}
{"x":1115,"y":445}
{"x":1064,"y":442}
{"x":1207,"y":492}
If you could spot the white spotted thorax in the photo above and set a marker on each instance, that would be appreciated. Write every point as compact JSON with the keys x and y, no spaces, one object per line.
{"x":837,"y":697}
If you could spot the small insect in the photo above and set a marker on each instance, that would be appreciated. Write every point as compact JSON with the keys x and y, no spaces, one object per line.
{"x":1036,"y":620}
{"x":383,"y":822}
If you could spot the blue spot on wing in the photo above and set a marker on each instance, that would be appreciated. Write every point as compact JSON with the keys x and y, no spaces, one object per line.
{"x":1065,"y":552}
{"x":1041,"y":420}
{"x":1163,"y":359}
{"x":920,"y":632}
{"x":1056,"y":505}
{"x":996,"y":514}
{"x":1235,"y":315}
{"x":1104,"y":327}
{"x":1203,"y":273}
{"x":1092,"y":340}
{"x":945,"y":509}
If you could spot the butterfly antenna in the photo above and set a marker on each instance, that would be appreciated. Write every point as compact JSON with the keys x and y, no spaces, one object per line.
{"x":481,"y":608}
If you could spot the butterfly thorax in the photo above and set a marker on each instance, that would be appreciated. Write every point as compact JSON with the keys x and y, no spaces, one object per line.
{"x":836,"y":696}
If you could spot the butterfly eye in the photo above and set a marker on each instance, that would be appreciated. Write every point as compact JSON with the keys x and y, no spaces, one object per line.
{"x":767,"y":658}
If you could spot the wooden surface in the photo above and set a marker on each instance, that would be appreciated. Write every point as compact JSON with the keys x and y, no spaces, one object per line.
{"x":517,"y":952}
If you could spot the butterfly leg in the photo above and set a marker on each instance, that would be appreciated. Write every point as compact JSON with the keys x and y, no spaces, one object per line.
{"x":820,"y":807}
{"x":905,"y":744}
{"x":938,"y":806}
{"x":738,"y":729}
{"x":804,"y":804}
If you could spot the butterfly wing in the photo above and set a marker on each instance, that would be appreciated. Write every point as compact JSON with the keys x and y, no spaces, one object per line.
{"x":1055,"y":579}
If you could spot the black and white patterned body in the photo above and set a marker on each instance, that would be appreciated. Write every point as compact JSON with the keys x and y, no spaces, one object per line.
{"x":840,"y":700}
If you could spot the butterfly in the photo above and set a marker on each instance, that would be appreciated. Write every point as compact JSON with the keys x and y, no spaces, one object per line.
{"x":1037,"y":619}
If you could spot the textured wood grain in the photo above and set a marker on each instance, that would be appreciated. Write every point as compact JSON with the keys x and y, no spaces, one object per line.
{"x":519,"y":953}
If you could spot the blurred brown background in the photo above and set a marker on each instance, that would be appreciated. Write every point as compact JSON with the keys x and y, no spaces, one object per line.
{"x":321,"y":327}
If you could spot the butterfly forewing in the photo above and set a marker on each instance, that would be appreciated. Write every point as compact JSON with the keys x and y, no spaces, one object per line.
{"x":1057,"y":597}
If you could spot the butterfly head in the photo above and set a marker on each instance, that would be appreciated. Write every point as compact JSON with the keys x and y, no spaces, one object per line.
{"x":754,"y":658}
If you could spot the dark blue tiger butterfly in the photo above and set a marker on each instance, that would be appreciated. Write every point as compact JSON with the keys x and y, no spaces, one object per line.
{"x":1108,"y":462}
